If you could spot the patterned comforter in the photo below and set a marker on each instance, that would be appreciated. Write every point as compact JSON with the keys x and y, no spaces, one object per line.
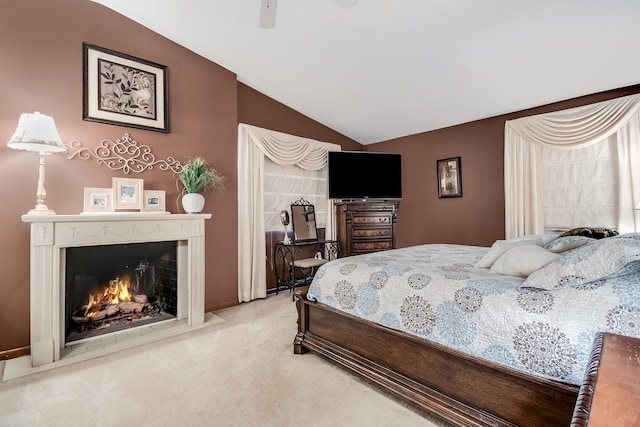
{"x":435,"y":292}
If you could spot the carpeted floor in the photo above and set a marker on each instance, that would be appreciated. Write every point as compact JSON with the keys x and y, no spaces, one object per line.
{"x":240,"y":372}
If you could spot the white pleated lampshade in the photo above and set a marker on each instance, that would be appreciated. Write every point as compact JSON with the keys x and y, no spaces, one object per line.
{"x":36,"y":132}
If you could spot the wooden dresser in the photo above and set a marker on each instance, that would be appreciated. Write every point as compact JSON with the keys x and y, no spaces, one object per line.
{"x":364,"y":227}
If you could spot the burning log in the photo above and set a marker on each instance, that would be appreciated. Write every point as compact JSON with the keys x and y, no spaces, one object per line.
{"x":141,"y":299}
{"x":130,"y":306}
{"x":111,"y":309}
{"x":94,"y":312}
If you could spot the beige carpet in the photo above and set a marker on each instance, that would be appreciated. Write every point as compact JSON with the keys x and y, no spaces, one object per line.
{"x":241,"y":372}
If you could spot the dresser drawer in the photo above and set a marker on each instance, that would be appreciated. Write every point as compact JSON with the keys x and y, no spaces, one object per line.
{"x":372,"y":232}
{"x":371,"y":219}
{"x":378,"y":245}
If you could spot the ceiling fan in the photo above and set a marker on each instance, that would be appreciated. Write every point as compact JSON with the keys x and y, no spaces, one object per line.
{"x":268,"y":11}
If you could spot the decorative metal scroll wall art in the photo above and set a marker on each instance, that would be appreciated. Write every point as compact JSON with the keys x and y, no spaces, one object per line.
{"x":123,"y":155}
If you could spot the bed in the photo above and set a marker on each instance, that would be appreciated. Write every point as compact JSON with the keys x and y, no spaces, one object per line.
{"x":478,"y":336}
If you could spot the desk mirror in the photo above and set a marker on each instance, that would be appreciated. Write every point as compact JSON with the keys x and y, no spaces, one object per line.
{"x":303,"y":220}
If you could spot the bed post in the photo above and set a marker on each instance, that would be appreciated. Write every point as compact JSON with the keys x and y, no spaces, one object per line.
{"x":300,"y":294}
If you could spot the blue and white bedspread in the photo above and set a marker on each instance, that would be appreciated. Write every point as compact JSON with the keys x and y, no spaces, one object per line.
{"x":434,"y":291}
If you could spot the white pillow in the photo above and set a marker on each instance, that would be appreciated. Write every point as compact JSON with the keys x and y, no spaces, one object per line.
{"x":501,"y":246}
{"x":523,"y":260}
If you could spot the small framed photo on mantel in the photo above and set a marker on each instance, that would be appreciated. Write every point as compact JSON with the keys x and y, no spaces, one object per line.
{"x":98,"y":200}
{"x":127,"y":193}
{"x":449,"y":177}
{"x":154,"y":201}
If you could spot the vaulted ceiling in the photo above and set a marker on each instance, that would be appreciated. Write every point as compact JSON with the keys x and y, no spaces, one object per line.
{"x":383,"y":69}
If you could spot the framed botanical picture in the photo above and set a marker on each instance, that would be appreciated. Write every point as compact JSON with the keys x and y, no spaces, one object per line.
{"x":127,"y":193}
{"x":124,"y":90}
{"x":449,"y":177}
{"x":153,"y":201}
{"x":98,"y":199}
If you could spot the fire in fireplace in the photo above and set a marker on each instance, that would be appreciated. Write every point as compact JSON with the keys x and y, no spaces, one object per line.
{"x":109,"y":288}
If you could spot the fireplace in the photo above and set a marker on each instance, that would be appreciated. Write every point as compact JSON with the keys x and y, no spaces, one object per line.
{"x":110,"y":288}
{"x":157,"y":259}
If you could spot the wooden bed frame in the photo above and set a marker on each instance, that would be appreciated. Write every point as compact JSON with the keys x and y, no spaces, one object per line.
{"x":461,"y":389}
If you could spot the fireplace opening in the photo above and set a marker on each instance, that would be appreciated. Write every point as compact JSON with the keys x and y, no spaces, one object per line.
{"x":109,"y":288}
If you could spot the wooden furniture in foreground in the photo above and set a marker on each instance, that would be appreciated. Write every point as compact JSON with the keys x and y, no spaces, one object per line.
{"x":364,"y":227}
{"x":610,"y":394}
{"x":462,"y":389}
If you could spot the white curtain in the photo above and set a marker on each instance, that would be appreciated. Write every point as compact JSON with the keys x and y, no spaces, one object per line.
{"x":254,"y":144}
{"x":618,"y":119}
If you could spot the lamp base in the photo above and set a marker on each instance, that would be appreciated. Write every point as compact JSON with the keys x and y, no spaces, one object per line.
{"x":41,"y":210}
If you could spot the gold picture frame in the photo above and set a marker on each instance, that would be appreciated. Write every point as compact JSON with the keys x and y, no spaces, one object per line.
{"x":127,"y":193}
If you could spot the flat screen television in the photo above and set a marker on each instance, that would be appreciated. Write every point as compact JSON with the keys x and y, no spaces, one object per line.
{"x":358,"y":175}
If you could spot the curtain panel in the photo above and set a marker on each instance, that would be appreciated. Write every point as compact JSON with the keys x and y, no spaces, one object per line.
{"x":617,"y":119}
{"x":254,"y":144}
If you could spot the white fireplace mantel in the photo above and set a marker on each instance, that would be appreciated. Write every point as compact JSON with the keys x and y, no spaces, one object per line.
{"x":51,"y":234}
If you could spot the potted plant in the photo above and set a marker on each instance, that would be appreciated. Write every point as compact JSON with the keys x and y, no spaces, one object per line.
{"x":197,"y":176}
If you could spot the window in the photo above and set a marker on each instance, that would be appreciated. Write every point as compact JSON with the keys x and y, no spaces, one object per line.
{"x":285,"y":184}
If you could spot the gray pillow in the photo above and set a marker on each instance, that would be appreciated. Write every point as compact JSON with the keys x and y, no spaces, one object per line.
{"x":562,"y":244}
{"x":601,"y":259}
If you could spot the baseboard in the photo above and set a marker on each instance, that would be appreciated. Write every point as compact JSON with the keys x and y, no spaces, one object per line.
{"x":13,"y":353}
{"x":221,"y":306}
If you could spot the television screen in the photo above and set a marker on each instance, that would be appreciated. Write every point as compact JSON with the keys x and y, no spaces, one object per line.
{"x":364,"y":175}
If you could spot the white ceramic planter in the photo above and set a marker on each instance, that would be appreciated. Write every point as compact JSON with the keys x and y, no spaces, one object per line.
{"x":193,"y":202}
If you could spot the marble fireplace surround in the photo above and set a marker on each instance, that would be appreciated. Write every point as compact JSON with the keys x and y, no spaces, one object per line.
{"x":51,"y":234}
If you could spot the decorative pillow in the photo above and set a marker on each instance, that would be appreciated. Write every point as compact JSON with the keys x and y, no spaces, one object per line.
{"x":501,"y":246}
{"x":522,"y":260}
{"x":601,"y":259}
{"x":562,"y":244}
{"x":593,"y":232}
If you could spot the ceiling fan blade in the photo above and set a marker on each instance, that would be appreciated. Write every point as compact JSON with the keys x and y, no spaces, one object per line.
{"x":268,"y":13}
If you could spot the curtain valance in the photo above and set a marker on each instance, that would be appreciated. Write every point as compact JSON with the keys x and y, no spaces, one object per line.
{"x":575,"y":127}
{"x":286,"y":149}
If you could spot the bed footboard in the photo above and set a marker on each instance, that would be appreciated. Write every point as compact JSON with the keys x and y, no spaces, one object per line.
{"x":462,"y":389}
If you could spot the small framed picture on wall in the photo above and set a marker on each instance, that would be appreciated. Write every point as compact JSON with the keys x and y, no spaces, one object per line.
{"x":449,"y":177}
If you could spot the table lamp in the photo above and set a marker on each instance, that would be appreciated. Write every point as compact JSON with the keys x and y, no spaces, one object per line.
{"x":37,"y":133}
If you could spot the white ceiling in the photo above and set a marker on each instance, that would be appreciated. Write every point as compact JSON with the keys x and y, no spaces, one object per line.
{"x":385,"y":69}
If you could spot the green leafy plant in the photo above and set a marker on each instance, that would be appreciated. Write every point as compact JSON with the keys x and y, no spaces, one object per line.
{"x":198,"y":176}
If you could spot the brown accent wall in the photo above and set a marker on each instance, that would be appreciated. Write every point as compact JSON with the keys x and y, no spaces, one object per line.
{"x":41,"y":69}
{"x":477,"y":218}
{"x":257,"y":109}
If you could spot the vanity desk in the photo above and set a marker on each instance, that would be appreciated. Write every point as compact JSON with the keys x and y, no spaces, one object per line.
{"x":296,"y":260}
